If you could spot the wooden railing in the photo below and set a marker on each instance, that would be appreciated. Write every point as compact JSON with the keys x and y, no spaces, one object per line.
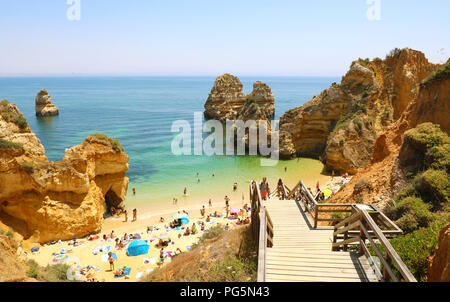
{"x":301,"y":193}
{"x":368,"y":230}
{"x":262,"y":228}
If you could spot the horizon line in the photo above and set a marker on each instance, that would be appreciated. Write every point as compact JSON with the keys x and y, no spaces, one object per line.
{"x":50,"y":75}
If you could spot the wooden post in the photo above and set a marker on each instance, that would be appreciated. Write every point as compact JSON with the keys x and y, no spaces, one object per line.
{"x":345,"y":238}
{"x":362,"y":236}
{"x":316,"y":216}
{"x":386,"y":275}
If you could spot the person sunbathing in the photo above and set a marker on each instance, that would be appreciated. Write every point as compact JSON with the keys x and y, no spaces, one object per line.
{"x":187,"y":232}
{"x":202,"y":228}
{"x":120,"y":272}
{"x":208,"y":219}
{"x":227,"y":227}
{"x":161,"y":219}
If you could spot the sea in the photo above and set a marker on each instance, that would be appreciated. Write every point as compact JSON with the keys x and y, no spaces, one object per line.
{"x":139,"y":111}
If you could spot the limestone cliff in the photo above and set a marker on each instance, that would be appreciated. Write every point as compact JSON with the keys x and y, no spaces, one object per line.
{"x":44,"y":106}
{"x":387,"y":173}
{"x":226,"y":100}
{"x":44,"y":200}
{"x":342,"y":123}
{"x":439,"y":263}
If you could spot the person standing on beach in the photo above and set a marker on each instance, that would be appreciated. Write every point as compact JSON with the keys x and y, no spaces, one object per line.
{"x":111,"y":261}
{"x":285,"y":169}
{"x":210,"y":202}
{"x":134,"y":191}
{"x":202,"y":211}
{"x":227,"y":200}
{"x":185,"y":191}
{"x":264,"y":188}
{"x":134,"y":214}
{"x":227,"y":210}
{"x":126,"y":215}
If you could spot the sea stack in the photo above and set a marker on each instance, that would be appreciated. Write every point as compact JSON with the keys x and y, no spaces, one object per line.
{"x":44,"y":106}
{"x":226,"y":100}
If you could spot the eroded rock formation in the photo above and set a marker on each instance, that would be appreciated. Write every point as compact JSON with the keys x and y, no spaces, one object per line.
{"x":44,"y":200}
{"x":226,"y":100}
{"x":342,"y":124}
{"x":386,"y":174}
{"x":44,"y":106}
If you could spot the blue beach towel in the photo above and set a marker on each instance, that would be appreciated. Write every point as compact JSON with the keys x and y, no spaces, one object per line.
{"x":127,"y":272}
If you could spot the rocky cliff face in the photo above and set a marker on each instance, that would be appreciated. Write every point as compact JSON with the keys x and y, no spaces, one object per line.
{"x":44,"y":200}
{"x":439,"y":262}
{"x":226,"y":100}
{"x":44,"y":106}
{"x":12,"y":268}
{"x":386,"y":174}
{"x":342,"y":123}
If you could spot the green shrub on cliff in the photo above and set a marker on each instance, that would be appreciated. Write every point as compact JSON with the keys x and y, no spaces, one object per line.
{"x":50,"y":273}
{"x":434,"y":187}
{"x":9,"y":145}
{"x":412,"y":213}
{"x":441,"y":73}
{"x":430,"y":140}
{"x":115,"y":145}
{"x":12,"y":116}
{"x":415,"y":248}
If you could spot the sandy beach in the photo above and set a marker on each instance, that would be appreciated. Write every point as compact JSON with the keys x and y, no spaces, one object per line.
{"x":83,"y":255}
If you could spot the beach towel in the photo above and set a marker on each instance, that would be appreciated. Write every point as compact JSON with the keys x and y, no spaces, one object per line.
{"x":101,"y":249}
{"x":93,"y":238}
{"x":127,"y":272}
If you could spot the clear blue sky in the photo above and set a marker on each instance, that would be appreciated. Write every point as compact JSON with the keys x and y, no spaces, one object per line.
{"x":209,"y":37}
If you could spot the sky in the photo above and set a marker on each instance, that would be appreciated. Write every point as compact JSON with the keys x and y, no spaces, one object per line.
{"x":209,"y":37}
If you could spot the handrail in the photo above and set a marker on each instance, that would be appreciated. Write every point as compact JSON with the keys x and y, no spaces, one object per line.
{"x":362,"y":221}
{"x":262,"y":228}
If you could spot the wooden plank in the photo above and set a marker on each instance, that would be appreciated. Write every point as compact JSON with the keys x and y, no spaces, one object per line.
{"x":284,"y":278}
{"x":324,"y":272}
{"x":345,"y":229}
{"x":350,"y":240}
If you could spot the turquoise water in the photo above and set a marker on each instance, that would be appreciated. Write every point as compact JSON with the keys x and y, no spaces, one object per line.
{"x":139,"y":111}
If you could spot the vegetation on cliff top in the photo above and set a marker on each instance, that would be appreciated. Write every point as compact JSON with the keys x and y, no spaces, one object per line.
{"x":220,"y":256}
{"x":114,"y":143}
{"x":5,"y":144}
{"x":441,"y":73}
{"x":12,"y":116}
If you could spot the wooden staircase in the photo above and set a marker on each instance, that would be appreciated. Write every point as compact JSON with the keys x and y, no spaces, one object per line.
{"x":301,"y":253}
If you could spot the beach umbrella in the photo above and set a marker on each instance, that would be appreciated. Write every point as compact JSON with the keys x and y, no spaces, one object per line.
{"x":105,"y":257}
{"x":60,"y":258}
{"x":180,"y":215}
{"x":163,"y":236}
{"x":234,"y":210}
{"x":327,"y":192}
